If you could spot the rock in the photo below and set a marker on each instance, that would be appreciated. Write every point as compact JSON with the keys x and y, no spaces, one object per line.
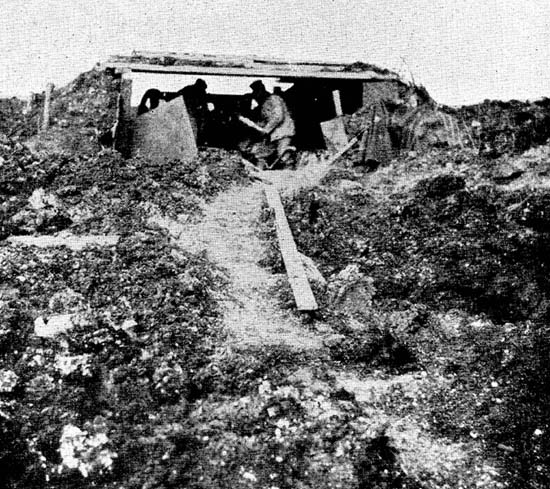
{"x":57,"y":324}
{"x":506,"y":172}
{"x":306,"y":377}
{"x":67,"y":191}
{"x":312,"y":272}
{"x":349,"y":186}
{"x":86,"y":451}
{"x":8,"y":380}
{"x":352,"y":290}
{"x":356,"y":326}
{"x":480,"y":324}
{"x":66,"y":301}
{"x":43,"y":213}
{"x":40,"y":200}
{"x":334,"y":340}
{"x":128,"y":326}
{"x":24,"y":220}
{"x":302,"y":375}
{"x":41,"y":385}
{"x":68,"y":364}
{"x":8,"y":293}
{"x":80,"y":214}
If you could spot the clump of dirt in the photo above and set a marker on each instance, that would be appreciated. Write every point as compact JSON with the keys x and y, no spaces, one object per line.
{"x":19,"y":119}
{"x":378,"y":468}
{"x":442,"y":245}
{"x":507,"y":127}
{"x":440,"y":186}
{"x":106,"y":193}
{"x":80,"y":111}
{"x":122,"y":376}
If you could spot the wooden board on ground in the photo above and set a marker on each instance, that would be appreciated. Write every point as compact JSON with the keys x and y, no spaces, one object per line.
{"x":305,"y":301}
{"x":71,"y":241}
{"x":165,"y":133}
{"x":334,"y":133}
{"x":344,"y":150}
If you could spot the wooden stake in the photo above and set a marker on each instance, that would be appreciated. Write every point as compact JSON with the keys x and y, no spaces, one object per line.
{"x":125,"y":119}
{"x":47,"y":101}
{"x":337,"y":103}
{"x":345,"y":149}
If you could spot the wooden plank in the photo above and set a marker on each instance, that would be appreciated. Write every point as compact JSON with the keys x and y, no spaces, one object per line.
{"x":337,"y":103}
{"x":334,"y":130}
{"x":334,"y":133}
{"x":303,"y":296}
{"x":217,"y":58}
{"x":255,"y":72}
{"x":73,"y":242}
{"x":190,"y":57}
{"x":344,"y":150}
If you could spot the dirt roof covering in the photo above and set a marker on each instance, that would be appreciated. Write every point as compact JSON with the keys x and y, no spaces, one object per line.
{"x":161,"y":62}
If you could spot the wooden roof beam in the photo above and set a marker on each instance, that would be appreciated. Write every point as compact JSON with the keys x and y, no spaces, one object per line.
{"x":255,"y":72}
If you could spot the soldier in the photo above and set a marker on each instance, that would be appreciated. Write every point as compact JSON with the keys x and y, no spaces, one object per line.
{"x":276,"y":126}
{"x":196,"y":101}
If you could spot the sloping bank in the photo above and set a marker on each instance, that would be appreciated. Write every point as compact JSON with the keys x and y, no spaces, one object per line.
{"x":114,"y":370}
{"x":455,"y":284}
{"x":101,"y":347}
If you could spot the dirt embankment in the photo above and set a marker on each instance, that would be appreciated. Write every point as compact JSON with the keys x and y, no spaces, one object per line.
{"x":453,"y":249}
{"x":507,"y":127}
{"x":166,"y":359}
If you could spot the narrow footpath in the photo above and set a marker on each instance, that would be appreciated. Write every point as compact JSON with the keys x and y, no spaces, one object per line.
{"x":252,"y":316}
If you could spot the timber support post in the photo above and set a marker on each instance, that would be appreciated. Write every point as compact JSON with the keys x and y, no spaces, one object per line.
{"x":47,"y":103}
{"x":125,"y":119}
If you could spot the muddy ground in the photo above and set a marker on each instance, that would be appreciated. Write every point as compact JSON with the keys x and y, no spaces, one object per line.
{"x":456,"y":287}
{"x":172,"y":356}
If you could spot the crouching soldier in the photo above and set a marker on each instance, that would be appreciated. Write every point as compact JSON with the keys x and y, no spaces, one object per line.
{"x":276,"y":127}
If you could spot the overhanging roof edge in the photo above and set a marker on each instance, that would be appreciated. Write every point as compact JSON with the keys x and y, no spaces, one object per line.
{"x":259,"y":71}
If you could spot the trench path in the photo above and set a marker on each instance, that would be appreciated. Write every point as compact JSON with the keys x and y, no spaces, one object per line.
{"x":253,"y":317}
{"x":227,"y":232}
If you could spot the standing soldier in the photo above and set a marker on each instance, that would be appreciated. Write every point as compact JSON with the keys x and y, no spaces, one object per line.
{"x":196,"y":101}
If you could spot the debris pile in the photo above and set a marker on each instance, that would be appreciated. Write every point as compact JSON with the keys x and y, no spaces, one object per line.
{"x":113,"y":367}
{"x":81,"y":393}
{"x":20,"y":119}
{"x":79,"y":113}
{"x":507,"y":127}
{"x":387,"y":128}
{"x":411,"y":246}
{"x":103,"y":192}
{"x":459,"y":280}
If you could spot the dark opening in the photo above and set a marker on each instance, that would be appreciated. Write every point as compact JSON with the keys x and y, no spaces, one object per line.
{"x":309,"y":101}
